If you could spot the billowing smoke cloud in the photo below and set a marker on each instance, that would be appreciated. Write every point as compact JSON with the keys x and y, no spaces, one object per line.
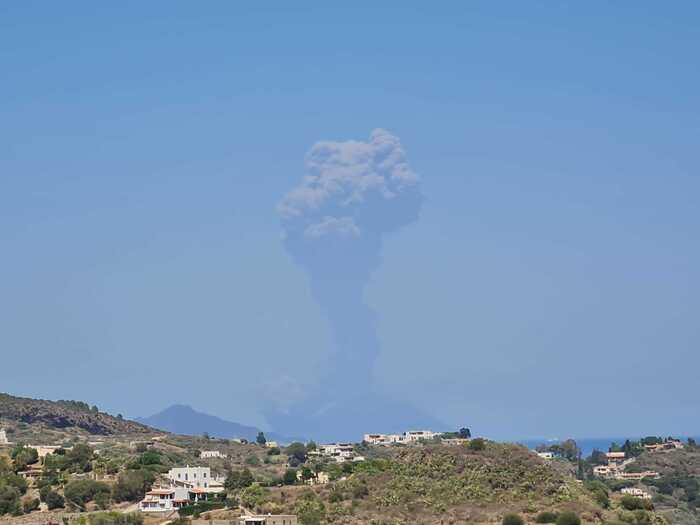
{"x":334,"y":224}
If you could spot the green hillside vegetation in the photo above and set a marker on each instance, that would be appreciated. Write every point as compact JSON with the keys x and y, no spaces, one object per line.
{"x":411,"y":485}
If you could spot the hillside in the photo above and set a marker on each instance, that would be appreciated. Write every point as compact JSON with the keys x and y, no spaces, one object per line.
{"x":65,"y":415}
{"x":435,"y":484}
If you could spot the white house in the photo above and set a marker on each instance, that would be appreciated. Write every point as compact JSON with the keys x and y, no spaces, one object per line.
{"x":3,"y":437}
{"x":413,"y":436}
{"x":194,"y":477}
{"x":269,"y":519}
{"x":205,"y":454}
{"x":165,"y":499}
{"x":408,"y":437}
{"x":546,"y":455}
{"x":339,"y":451}
{"x":636,"y":492}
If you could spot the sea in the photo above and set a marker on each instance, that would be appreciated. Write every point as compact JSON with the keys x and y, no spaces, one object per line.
{"x":587,"y":445}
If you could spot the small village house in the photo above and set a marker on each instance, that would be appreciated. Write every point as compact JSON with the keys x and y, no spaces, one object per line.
{"x":269,"y":519}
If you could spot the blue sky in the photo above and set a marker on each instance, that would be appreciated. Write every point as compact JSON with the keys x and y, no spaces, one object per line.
{"x":553,"y":272}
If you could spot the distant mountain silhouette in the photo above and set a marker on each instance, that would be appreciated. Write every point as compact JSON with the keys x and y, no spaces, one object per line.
{"x":183,"y":419}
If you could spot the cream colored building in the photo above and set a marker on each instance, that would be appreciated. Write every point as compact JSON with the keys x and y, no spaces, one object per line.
{"x":3,"y":437}
{"x":206,"y":454}
{"x":636,"y":492}
{"x":269,"y":519}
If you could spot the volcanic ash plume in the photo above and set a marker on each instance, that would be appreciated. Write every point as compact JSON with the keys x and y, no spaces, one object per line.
{"x":334,"y":223}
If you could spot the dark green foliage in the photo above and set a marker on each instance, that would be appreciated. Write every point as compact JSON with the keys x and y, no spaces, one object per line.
{"x":546,"y":517}
{"x":289,"y":477}
{"x":9,"y":500}
{"x":599,"y":492}
{"x":260,"y":438}
{"x":477,"y":444}
{"x":512,"y":519}
{"x":297,"y":451}
{"x":79,"y":492}
{"x":198,"y":508}
{"x":239,"y":479}
{"x":598,"y":457}
{"x":23,"y":456}
{"x":149,"y":458}
{"x":568,"y":450}
{"x":568,"y":518}
{"x":15,"y":481}
{"x":132,"y":485}
{"x":54,"y":500}
{"x":631,"y":503}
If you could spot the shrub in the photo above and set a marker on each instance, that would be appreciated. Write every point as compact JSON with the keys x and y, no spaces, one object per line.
{"x":198,"y":508}
{"x":477,"y":444}
{"x":54,"y":500}
{"x":253,"y":496}
{"x":30,"y":505}
{"x":631,"y":503}
{"x":546,"y":517}
{"x":80,"y":492}
{"x":9,"y":500}
{"x":310,"y":510}
{"x":512,"y":519}
{"x":568,"y":518}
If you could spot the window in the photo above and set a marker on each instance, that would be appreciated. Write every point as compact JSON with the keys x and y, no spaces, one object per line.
{"x":205,"y":474}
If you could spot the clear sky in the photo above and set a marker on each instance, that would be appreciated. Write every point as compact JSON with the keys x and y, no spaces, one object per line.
{"x":549,"y":287}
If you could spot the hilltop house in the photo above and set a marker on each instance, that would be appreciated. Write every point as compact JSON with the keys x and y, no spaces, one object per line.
{"x":615,"y":469}
{"x":408,"y":437}
{"x":636,"y":492}
{"x":669,"y":444}
{"x":195,"y":478}
{"x":340,"y":452}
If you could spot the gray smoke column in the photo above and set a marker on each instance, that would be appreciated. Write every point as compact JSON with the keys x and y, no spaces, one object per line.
{"x":334,"y":223}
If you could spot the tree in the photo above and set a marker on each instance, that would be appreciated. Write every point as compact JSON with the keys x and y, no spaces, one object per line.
{"x":598,"y":457}
{"x":260,"y":439}
{"x":54,"y":500}
{"x":132,"y":485}
{"x":465,"y":433}
{"x":512,"y":519}
{"x":239,"y":479}
{"x":297,"y":451}
{"x":79,"y":492}
{"x":9,"y":500}
{"x":692,"y":443}
{"x":290,"y":476}
{"x":310,"y":510}
{"x":23,"y":456}
{"x":253,"y":496}
{"x":79,"y":458}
